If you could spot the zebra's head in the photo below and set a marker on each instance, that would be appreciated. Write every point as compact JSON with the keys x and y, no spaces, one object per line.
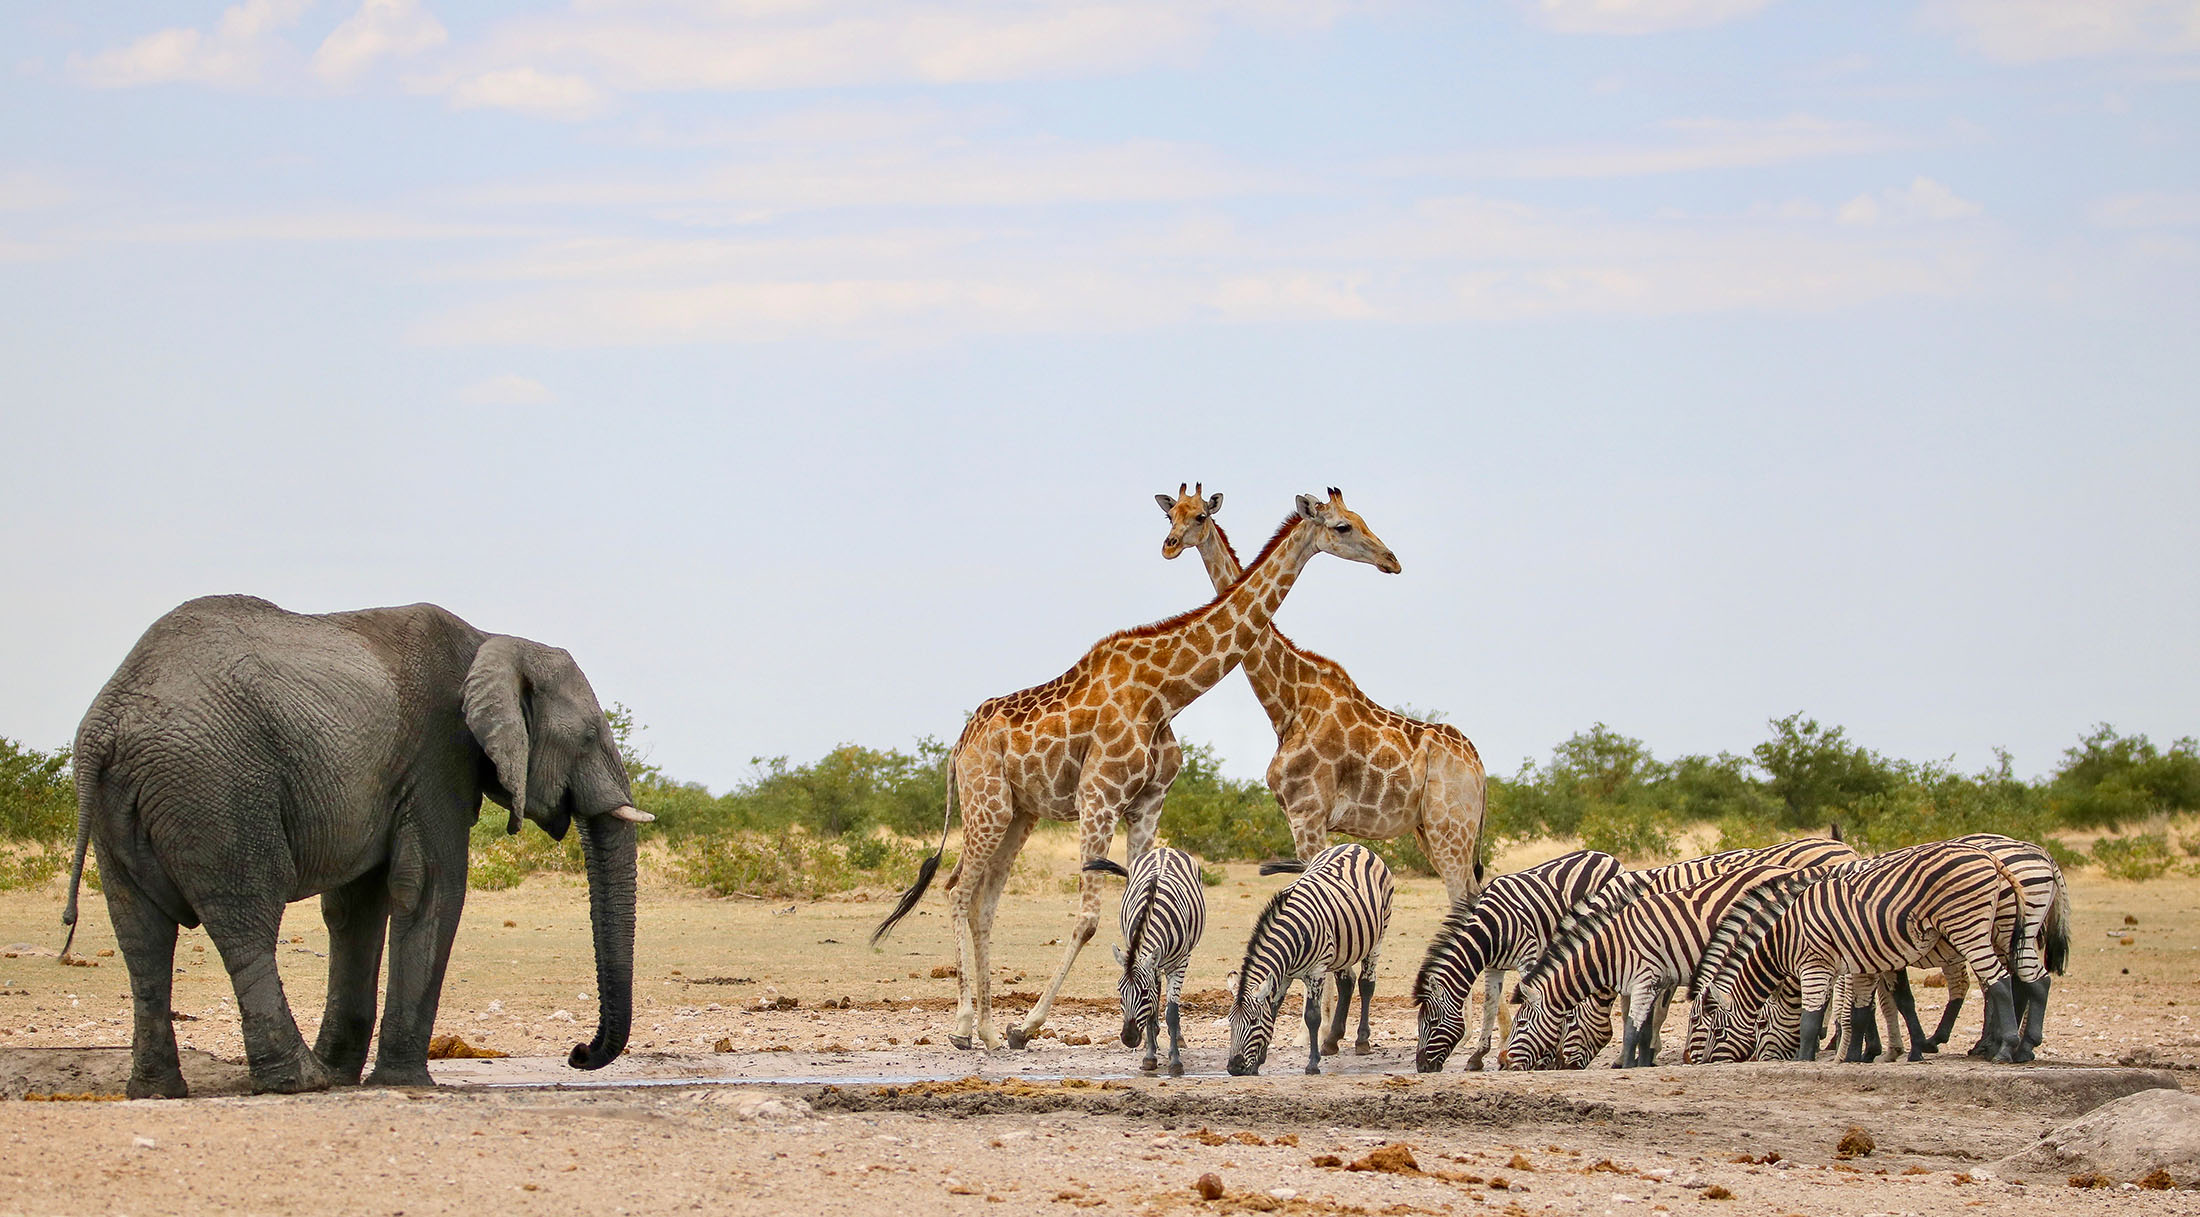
{"x":1140,"y":989}
{"x":1588,"y":1030}
{"x":1538,"y":1029}
{"x":1260,"y":995}
{"x":1443,"y":1022}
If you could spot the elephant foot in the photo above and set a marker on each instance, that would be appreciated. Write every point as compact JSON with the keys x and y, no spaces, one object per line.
{"x":2022,"y":1055}
{"x":2003,"y":1056}
{"x":395,"y":1075}
{"x":1362,"y":1048}
{"x":1017,"y":1038}
{"x":300,"y":1075}
{"x":166,"y":1086}
{"x":960,"y":1042}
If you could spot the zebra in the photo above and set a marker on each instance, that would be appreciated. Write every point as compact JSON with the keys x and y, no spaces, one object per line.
{"x":1882,"y":915}
{"x":1329,"y":921}
{"x":2046,"y":914}
{"x":1592,"y":1026}
{"x":1505,"y":928}
{"x":1653,"y":945}
{"x":1164,"y":913}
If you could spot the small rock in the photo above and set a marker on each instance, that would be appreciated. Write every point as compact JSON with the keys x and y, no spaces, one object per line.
{"x":143,"y":1142}
{"x":561,"y":1016}
{"x":1283,"y":1193}
{"x":1208,"y":1186}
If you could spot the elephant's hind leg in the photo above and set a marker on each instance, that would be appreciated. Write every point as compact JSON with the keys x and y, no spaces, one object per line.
{"x":148,"y":941}
{"x":244,"y":931}
{"x":357,"y":916}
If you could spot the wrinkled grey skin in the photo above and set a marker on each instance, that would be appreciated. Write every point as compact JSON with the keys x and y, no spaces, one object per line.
{"x":244,"y":757}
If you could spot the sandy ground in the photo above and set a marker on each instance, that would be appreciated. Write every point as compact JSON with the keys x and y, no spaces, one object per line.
{"x":831,"y":1104}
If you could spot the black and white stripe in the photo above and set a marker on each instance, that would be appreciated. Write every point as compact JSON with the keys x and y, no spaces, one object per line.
{"x":1505,"y":929}
{"x":1882,"y":915}
{"x":1640,"y":955}
{"x":1329,"y":921}
{"x":1164,"y":914}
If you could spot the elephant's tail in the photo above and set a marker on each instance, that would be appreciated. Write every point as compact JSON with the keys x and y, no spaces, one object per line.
{"x":90,"y":765}
{"x":931,"y":865}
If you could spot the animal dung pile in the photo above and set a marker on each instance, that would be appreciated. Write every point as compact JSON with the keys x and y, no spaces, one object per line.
{"x":453,"y":1048}
{"x":1855,"y":1143}
{"x":1396,"y":1158}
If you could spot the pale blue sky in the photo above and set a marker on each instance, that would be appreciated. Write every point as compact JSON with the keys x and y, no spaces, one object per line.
{"x":808,"y":367}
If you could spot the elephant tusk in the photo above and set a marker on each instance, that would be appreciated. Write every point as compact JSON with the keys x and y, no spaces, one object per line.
{"x":628,"y":813}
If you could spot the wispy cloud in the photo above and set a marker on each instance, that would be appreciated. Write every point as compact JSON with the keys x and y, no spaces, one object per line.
{"x":1638,"y":16}
{"x":2149,"y":209}
{"x":379,"y":29}
{"x":1680,"y":145}
{"x":236,"y":53}
{"x":507,"y":390}
{"x":1922,"y":199}
{"x":529,"y":91}
{"x":2031,"y":31}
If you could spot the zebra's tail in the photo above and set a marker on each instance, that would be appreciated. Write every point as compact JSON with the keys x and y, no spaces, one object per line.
{"x":1108,"y":866}
{"x":931,"y":865}
{"x":1283,"y":866}
{"x":2058,"y":927}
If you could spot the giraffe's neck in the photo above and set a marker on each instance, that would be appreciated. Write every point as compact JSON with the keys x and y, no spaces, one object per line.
{"x":1229,"y":628}
{"x":1265,"y":663}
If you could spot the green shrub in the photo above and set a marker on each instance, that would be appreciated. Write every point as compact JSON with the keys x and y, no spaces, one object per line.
{"x":789,"y":864}
{"x":35,"y":868}
{"x":1635,"y":832}
{"x":37,"y":794}
{"x":1815,"y":775}
{"x":2108,"y":779}
{"x":497,"y":861}
{"x":2136,"y":858}
{"x":1212,"y":876}
{"x":1221,"y":818}
{"x":1748,"y":832}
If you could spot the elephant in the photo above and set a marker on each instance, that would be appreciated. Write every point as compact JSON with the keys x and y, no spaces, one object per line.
{"x":243,"y":757}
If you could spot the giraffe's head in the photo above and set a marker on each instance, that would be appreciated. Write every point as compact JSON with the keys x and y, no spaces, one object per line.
{"x":1340,"y":530}
{"x":1191,"y":513}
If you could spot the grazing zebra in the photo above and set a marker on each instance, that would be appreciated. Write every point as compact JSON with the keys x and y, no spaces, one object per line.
{"x":1505,"y":929}
{"x":1882,"y":915}
{"x":1652,"y":946}
{"x":1592,"y":1027}
{"x":1164,"y":913}
{"x":1327,"y":922}
{"x":2046,"y":913}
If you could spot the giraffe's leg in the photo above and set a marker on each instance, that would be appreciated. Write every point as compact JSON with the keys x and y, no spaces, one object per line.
{"x":1307,"y":789}
{"x":987,"y":815}
{"x":1096,"y":818}
{"x":1334,"y":1039}
{"x":1450,"y":824}
{"x":1142,"y":815}
{"x":1493,"y":989}
{"x":988,"y":898}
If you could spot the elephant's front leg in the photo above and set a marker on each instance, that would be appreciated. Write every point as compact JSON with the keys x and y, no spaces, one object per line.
{"x":358,"y":917}
{"x":427,"y":891}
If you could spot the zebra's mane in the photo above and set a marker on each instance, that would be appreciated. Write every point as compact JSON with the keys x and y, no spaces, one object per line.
{"x":1586,"y":919}
{"x":1140,"y":918}
{"x":1743,"y":928}
{"x":1449,"y":941}
{"x":1261,"y":926}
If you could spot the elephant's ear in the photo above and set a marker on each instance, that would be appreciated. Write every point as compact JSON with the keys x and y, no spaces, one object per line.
{"x":496,"y":691}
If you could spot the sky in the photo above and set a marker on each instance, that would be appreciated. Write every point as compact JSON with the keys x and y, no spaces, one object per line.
{"x":808,"y":367}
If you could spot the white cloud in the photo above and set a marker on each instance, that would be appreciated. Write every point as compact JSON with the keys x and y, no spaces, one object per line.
{"x":1685,"y":145}
{"x":2152,"y":209}
{"x":2030,"y":31}
{"x":23,"y":190}
{"x":1638,"y":16}
{"x":529,"y":91}
{"x":507,"y":390}
{"x":1922,"y":199}
{"x":237,"y":53}
{"x":380,"y":28}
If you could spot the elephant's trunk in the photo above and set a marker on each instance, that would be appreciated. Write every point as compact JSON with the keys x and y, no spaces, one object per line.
{"x":608,"y":844}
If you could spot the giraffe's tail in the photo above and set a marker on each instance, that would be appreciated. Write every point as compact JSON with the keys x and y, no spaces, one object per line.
{"x":930,"y":867}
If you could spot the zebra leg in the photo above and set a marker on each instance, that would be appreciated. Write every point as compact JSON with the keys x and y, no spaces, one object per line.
{"x":1906,"y":1002}
{"x":1815,"y":996}
{"x":1364,"y":1043}
{"x":1314,"y":1024}
{"x":1493,"y":989}
{"x":2035,"y":1020}
{"x":1150,"y":1062}
{"x":1335,"y":1036}
{"x":1890,"y":1013}
{"x":1176,"y":1030}
{"x":2001,"y":1020}
{"x":1654,"y":1037}
{"x":1958,"y":978}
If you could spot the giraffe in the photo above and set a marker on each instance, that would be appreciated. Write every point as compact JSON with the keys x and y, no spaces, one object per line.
{"x":1088,"y":746}
{"x":1343,"y":763}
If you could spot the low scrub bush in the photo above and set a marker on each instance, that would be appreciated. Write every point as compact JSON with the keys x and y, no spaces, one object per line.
{"x":2137,"y":858}
{"x":792,"y":864}
{"x":37,"y":794}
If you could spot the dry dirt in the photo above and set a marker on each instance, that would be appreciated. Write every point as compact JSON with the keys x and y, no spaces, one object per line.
{"x":823,"y":1106}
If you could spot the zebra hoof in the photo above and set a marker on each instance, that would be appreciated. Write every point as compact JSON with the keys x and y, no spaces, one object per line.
{"x":960,"y":1042}
{"x":1362,"y":1048}
{"x":1017,"y":1038}
{"x":1176,"y":1069}
{"x":1149,"y":1067}
{"x":1313,"y":1071}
